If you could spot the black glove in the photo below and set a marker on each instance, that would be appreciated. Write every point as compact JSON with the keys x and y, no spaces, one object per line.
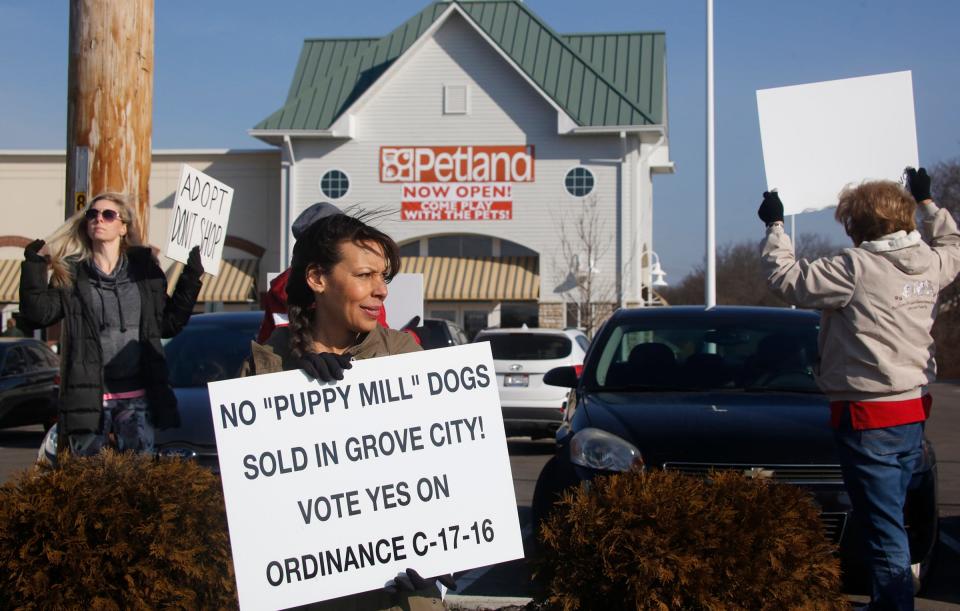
{"x":31,"y":252}
{"x":193,"y":261}
{"x":918,"y":182}
{"x":325,"y":366}
{"x":771,"y":210}
{"x":413,"y":582}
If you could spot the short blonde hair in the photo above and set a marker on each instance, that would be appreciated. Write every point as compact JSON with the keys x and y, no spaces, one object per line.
{"x":874,"y":209}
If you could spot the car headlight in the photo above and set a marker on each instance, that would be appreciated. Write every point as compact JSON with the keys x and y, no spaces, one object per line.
{"x":48,"y":449}
{"x":603,"y":451}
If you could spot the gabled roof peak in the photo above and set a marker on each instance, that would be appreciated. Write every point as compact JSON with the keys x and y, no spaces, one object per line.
{"x":597,"y":79}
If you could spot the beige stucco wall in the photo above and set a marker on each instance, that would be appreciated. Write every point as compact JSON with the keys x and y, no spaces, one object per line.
{"x":33,"y":186}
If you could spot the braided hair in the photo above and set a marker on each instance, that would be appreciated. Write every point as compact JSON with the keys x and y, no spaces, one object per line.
{"x":319,"y":246}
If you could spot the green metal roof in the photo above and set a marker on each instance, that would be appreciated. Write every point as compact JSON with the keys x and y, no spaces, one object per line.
{"x":598,"y":79}
{"x":320,"y":56}
{"x":635,"y":62}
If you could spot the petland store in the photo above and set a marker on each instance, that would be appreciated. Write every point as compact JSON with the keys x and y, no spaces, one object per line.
{"x":516,"y":163}
{"x":491,"y":143}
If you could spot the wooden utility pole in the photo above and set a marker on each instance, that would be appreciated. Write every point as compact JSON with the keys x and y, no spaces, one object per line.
{"x":110,"y":102}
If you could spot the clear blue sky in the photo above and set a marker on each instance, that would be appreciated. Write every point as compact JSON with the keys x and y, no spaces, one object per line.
{"x":222,"y":66}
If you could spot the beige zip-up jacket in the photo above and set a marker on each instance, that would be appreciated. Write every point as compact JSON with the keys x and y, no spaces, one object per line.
{"x":878,"y":304}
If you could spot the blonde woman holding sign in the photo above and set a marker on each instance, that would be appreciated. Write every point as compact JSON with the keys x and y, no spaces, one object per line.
{"x":338,"y":281}
{"x":111,"y":296}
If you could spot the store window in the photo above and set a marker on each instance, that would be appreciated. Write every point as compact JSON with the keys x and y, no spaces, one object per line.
{"x":512,"y":249}
{"x":579,"y":182}
{"x":334,"y":184}
{"x":410,"y":250}
{"x":518,"y":314}
{"x":573,"y":314}
{"x":460,"y":246}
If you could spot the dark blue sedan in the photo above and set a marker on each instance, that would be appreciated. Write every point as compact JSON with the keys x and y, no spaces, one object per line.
{"x":693,"y":389}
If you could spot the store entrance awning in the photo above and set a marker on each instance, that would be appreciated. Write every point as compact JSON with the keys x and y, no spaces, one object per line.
{"x":10,"y":280}
{"x":236,"y":283}
{"x":476,"y":279}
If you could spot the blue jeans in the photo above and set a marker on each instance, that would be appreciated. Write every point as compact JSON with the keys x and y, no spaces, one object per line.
{"x":877,"y":466}
{"x":125,"y":422}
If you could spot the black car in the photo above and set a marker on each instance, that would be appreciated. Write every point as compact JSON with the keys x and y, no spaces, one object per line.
{"x":211,"y":347}
{"x":693,"y":389}
{"x":439,"y":333}
{"x":29,"y":383}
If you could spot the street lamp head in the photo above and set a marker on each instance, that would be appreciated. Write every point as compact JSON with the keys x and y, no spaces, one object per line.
{"x":659,"y":276}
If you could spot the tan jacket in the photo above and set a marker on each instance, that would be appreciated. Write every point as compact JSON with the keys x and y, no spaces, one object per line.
{"x":274,"y":356}
{"x":879,"y":301}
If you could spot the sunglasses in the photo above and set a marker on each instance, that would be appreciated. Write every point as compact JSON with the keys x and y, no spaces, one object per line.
{"x":108,"y":215}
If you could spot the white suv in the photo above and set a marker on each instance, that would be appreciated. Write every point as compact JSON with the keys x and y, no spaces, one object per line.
{"x":521,"y":357}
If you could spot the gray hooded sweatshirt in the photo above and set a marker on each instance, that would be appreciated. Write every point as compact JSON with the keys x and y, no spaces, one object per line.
{"x":878,"y":304}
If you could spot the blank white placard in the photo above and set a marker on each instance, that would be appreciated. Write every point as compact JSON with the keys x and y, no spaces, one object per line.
{"x":820,"y":137}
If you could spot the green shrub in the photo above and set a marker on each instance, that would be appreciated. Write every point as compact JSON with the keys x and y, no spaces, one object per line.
{"x":662,"y":540}
{"x":115,"y":531}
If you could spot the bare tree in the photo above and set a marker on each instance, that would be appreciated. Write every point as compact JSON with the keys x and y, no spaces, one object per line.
{"x":740,"y":279}
{"x":946,"y":330}
{"x":946,"y":185}
{"x":584,"y":241}
{"x":946,"y":193}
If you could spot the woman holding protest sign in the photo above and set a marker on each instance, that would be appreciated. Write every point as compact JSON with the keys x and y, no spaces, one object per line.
{"x":335,"y":292}
{"x":111,"y":296}
{"x":879,"y":301}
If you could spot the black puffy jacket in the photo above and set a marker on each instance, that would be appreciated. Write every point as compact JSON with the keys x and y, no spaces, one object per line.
{"x":81,"y":357}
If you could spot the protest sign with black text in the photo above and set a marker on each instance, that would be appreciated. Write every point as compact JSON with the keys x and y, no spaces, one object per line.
{"x":201,"y":209}
{"x":332,"y":489}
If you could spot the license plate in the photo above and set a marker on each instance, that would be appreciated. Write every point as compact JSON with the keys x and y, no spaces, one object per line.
{"x":516,"y":379}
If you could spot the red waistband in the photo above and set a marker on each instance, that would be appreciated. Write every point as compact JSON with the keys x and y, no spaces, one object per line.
{"x":881,"y":414}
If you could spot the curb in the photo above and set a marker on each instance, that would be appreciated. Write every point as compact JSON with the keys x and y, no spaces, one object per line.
{"x":462,"y":601}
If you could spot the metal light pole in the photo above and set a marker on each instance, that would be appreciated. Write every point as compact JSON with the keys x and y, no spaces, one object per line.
{"x":710,"y":290}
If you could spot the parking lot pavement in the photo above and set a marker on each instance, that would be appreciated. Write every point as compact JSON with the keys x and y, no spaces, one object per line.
{"x":509,"y":582}
{"x":18,"y":449}
{"x":943,"y":429}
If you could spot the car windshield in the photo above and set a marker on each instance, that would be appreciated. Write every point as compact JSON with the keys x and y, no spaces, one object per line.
{"x":527,"y":346}
{"x":208,"y":352}
{"x":669,"y":355}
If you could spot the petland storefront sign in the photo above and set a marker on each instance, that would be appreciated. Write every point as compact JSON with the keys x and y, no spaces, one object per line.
{"x":456,"y":183}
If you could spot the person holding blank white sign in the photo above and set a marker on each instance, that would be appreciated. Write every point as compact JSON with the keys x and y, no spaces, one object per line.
{"x":879,"y":300}
{"x":111,"y":295}
{"x":338,"y":281}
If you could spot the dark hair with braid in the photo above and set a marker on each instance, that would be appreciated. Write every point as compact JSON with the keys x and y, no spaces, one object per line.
{"x":319,"y":246}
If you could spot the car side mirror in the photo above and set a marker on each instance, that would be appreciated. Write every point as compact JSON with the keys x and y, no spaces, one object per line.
{"x":562,"y":376}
